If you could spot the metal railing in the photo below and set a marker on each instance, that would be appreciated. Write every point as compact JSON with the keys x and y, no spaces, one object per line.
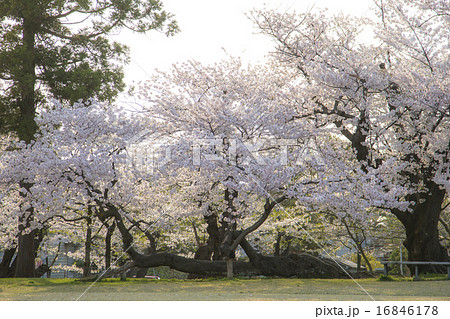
{"x":416,"y":264}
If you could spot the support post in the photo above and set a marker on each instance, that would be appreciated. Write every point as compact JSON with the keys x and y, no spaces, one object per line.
{"x":448,"y":272}
{"x":48,"y":272}
{"x":358,"y":261}
{"x":401,"y":260}
{"x":229,"y":268}
{"x":386,"y":269}
{"x":416,"y":276}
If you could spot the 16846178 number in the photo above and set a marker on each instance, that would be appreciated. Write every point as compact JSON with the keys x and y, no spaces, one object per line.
{"x":407,"y":310}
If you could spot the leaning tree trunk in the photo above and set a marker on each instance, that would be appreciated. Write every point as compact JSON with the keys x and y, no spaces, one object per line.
{"x":301,"y":266}
{"x":421,"y":226}
{"x":293,"y":265}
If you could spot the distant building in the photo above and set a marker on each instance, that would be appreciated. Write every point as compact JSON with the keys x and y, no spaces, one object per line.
{"x":62,"y":259}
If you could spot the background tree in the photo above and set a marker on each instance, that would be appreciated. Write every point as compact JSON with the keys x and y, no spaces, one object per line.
{"x":60,"y":49}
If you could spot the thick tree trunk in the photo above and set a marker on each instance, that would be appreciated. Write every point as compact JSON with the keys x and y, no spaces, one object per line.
{"x":26,"y":82}
{"x":213,"y":236}
{"x":25,"y":267}
{"x":293,"y":265}
{"x":302,"y":266}
{"x":421,"y":226}
{"x":193,"y":266}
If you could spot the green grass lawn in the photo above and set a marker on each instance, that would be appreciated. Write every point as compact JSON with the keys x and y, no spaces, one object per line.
{"x":221,"y":289}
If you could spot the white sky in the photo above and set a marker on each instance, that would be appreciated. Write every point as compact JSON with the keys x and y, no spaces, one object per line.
{"x":211,"y":29}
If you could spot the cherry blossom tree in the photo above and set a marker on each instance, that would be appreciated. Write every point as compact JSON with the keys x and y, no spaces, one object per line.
{"x":388,"y":98}
{"x":235,"y":150}
{"x":74,"y":166}
{"x":229,"y":142}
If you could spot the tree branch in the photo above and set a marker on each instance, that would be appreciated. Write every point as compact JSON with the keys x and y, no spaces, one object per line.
{"x":267,"y":210}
